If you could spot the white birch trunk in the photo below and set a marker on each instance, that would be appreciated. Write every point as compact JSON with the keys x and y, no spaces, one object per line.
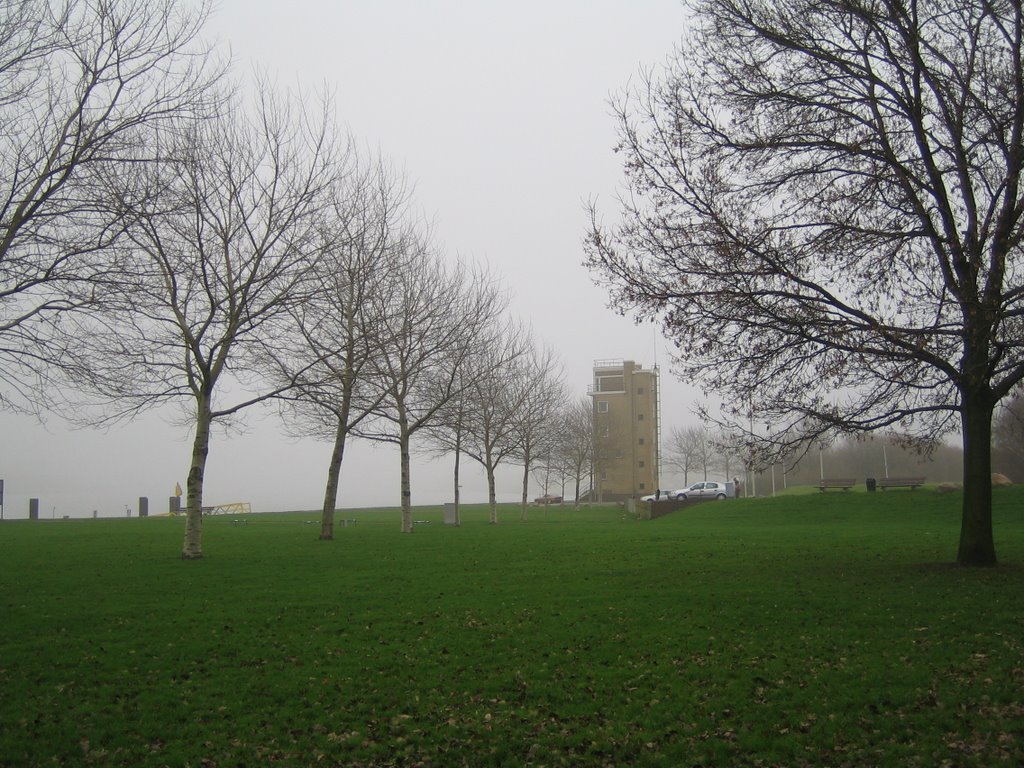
{"x":526,"y":489}
{"x":403,"y":437}
{"x":193,"y":547}
{"x":458,"y":464}
{"x":331,"y":492}
{"x":492,"y":497}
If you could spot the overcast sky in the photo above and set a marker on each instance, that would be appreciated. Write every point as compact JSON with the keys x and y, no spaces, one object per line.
{"x":498,"y":112}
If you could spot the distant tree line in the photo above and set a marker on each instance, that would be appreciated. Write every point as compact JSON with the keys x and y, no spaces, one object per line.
{"x":1008,"y":439}
{"x":169,"y":235}
{"x":698,"y":453}
{"x":875,"y":456}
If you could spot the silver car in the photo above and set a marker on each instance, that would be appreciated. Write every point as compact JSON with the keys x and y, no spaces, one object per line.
{"x":704,"y":490}
{"x":661,"y":496}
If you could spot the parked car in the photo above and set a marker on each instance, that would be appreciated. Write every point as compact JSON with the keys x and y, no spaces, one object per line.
{"x":703,"y":490}
{"x":548,"y":499}
{"x":655,"y":497}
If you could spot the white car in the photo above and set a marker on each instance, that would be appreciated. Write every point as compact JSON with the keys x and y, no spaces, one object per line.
{"x":665,"y":495}
{"x":704,"y":490}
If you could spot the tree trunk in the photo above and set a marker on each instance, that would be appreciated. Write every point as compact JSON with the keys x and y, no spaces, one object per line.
{"x":331,"y":492}
{"x":403,"y":445}
{"x":458,"y":464}
{"x":526,"y":489}
{"x":526,"y":480}
{"x":977,"y":546}
{"x":492,"y":496}
{"x":193,"y":546}
{"x":338,"y":453}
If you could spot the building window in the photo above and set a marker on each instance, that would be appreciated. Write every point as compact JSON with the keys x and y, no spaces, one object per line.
{"x":639,"y":390}
{"x":641,"y":441}
{"x":602,"y":406}
{"x":611,"y":384}
{"x":639,"y":417}
{"x":641,"y":464}
{"x":604,"y":474}
{"x":642,"y":486}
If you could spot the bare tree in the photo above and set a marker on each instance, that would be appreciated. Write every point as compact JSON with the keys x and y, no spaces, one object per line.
{"x":480,"y":420}
{"x":222,"y":242}
{"x":827,"y":204}
{"x":1008,"y":436}
{"x":549,"y":472}
{"x":726,"y":458}
{"x":82,"y":85}
{"x":447,"y":436}
{"x":336,"y":331}
{"x":704,"y":450}
{"x":435,"y":318}
{"x":687,"y":450}
{"x":576,"y":443}
{"x":536,"y":424}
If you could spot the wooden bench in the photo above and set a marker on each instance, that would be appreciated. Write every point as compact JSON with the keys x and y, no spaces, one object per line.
{"x":844,"y":483}
{"x":900,"y":482}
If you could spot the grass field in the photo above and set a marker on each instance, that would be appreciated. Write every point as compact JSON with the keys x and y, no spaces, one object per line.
{"x":819,"y":630}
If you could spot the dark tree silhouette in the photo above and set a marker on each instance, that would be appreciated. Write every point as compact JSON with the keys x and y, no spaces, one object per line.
{"x":82,"y":87}
{"x":825,"y":201}
{"x":336,"y":330}
{"x":219,"y":259}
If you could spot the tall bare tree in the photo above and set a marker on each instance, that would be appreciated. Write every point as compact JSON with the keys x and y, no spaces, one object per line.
{"x":82,"y":85}
{"x":726,"y":454}
{"x":685,"y":450}
{"x":827,"y":204}
{"x":336,"y":332}
{"x":576,"y":442}
{"x":536,"y":425}
{"x":223,"y":239}
{"x":480,"y":420}
{"x":436,"y":317}
{"x":690,"y":450}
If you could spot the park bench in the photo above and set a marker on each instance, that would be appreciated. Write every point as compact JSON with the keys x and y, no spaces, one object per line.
{"x":900,"y":482}
{"x":844,"y":483}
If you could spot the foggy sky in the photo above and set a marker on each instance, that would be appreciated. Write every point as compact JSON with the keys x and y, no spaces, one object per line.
{"x":498,"y":113}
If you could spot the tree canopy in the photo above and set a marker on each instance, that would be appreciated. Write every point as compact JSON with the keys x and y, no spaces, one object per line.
{"x":824,"y":200}
{"x":83,"y":86}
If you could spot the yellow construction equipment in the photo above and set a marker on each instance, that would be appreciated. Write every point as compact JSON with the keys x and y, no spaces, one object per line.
{"x":237,"y":508}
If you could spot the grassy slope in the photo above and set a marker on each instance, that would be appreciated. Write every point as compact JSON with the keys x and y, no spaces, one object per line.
{"x":817,"y":630}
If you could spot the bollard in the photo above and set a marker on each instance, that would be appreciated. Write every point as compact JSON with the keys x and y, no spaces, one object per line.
{"x":33,"y":509}
{"x":143,"y":506}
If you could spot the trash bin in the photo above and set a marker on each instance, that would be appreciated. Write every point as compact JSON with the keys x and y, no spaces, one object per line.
{"x":870,"y":482}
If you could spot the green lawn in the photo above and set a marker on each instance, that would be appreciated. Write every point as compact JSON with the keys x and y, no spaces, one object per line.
{"x":820,"y":630}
